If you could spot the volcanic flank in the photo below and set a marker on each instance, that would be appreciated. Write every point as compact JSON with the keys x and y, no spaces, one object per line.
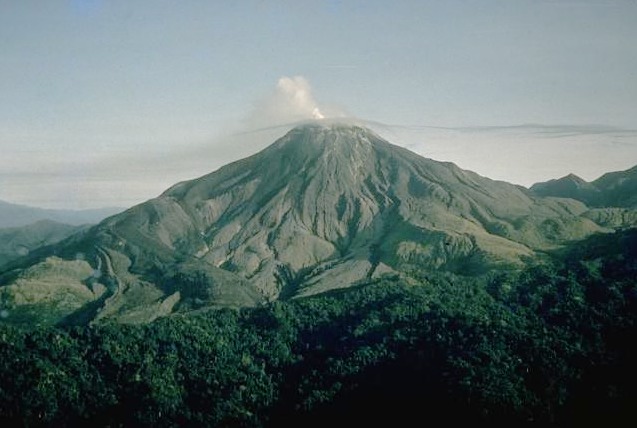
{"x":326,"y":206}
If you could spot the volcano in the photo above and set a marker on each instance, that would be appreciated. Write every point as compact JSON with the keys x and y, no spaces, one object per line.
{"x":326,"y":206}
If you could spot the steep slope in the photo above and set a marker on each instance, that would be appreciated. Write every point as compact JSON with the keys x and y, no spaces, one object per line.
{"x":326,"y":206}
{"x":336,"y":204}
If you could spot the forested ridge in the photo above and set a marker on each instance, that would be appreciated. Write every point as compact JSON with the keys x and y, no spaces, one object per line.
{"x":551,"y":345}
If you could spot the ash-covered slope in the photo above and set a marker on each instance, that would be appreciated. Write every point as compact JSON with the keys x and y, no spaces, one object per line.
{"x":328,"y":205}
{"x":325,"y":206}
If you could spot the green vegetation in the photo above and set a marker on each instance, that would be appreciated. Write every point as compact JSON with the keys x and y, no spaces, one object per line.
{"x":17,"y":242}
{"x":552,"y":345}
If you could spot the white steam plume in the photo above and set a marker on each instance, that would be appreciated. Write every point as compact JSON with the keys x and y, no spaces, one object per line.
{"x":291,"y":101}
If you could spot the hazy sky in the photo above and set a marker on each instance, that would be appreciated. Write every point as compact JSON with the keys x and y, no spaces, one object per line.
{"x":110,"y":102}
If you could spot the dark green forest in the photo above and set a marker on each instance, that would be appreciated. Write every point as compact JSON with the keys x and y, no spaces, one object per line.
{"x":552,"y":345}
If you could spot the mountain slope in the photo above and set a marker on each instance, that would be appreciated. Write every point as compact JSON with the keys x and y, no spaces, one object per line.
{"x":324,"y":196}
{"x":619,"y":188}
{"x":16,"y":242}
{"x":326,"y":206}
{"x":570,"y":186}
{"x":612,"y":190}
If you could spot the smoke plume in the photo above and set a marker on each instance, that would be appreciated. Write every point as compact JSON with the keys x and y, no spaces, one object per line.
{"x":291,"y":101}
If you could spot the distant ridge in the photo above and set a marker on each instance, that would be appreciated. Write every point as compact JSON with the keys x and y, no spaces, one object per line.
{"x":15,"y":215}
{"x":612,"y":190}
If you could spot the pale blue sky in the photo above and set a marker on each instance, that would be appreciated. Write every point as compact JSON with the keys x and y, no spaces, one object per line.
{"x":92,"y":90}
